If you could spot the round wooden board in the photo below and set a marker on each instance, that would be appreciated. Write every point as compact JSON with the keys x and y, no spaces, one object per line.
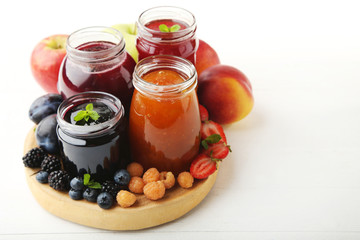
{"x":143,"y":214}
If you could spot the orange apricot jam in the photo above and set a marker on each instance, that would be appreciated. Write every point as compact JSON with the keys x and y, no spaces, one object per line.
{"x":164,"y":124}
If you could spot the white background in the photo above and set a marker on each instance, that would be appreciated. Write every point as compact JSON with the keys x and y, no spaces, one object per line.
{"x":295,"y":168}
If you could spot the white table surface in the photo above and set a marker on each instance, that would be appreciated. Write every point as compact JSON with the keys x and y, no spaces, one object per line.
{"x":295,"y":168}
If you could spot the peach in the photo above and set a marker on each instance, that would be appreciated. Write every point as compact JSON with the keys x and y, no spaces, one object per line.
{"x":206,"y":57}
{"x":226,"y":93}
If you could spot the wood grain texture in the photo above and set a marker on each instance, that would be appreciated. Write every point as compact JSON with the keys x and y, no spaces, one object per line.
{"x":143,"y":214}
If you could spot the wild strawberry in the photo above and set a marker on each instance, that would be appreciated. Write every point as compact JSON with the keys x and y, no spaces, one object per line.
{"x":203,"y":166}
{"x":209,"y":128}
{"x":204,"y":114}
{"x":218,"y":150}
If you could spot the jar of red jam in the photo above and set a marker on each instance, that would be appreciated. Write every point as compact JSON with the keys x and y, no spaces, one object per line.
{"x":98,"y":147}
{"x":96,"y":60}
{"x":169,"y":31}
{"x":164,"y":123}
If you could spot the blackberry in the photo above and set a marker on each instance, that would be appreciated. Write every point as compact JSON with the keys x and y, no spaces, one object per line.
{"x":34,"y":157}
{"x":51,"y":163}
{"x":110,"y":187}
{"x":59,"y":180}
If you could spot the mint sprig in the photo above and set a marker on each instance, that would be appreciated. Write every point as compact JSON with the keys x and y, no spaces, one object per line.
{"x":173,"y":28}
{"x":87,"y":114}
{"x":90,"y":182}
{"x":214,"y":138}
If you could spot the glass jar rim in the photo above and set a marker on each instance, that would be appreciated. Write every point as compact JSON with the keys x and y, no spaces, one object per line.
{"x":164,"y":62}
{"x":114,"y":36}
{"x":89,"y":131}
{"x":164,"y":36}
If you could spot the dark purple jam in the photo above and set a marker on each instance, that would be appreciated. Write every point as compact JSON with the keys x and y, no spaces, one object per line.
{"x":105,"y":112}
{"x":99,"y":153}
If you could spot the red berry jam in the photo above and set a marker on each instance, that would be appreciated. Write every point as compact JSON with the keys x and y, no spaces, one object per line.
{"x":182,"y":42}
{"x":97,"y":61}
{"x":98,"y":147}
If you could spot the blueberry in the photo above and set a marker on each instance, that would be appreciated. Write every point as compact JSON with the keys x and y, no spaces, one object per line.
{"x":75,"y":194}
{"x":91,"y":194}
{"x":122,"y":177}
{"x":44,"y":106}
{"x":77,"y":183}
{"x":105,"y":200}
{"x":46,"y":136}
{"x":42,"y":177}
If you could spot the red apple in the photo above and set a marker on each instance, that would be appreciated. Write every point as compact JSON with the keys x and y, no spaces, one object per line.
{"x":46,"y":59}
{"x":205,"y":57}
{"x":226,"y":93}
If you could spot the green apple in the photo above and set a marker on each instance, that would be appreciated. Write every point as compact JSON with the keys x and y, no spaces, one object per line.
{"x":129,"y":32}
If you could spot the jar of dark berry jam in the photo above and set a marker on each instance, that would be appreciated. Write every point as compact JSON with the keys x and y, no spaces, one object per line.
{"x":96,"y":60}
{"x":167,"y":30}
{"x":98,"y":147}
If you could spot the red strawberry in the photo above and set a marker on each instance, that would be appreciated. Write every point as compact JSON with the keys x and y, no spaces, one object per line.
{"x":209,"y":128}
{"x":204,"y":114}
{"x":217,"y":150}
{"x":202,"y":166}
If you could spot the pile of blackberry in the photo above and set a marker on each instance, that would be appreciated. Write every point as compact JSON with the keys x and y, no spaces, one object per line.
{"x":51,"y":168}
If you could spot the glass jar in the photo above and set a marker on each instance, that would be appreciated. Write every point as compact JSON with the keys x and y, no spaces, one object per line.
{"x":164,"y":123}
{"x":98,"y":149}
{"x":151,"y":41}
{"x":96,"y":60}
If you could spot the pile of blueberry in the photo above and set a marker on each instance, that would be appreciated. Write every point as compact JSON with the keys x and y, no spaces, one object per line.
{"x":103,"y":194}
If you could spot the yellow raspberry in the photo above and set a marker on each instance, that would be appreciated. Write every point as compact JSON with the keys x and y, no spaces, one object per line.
{"x":154,"y":190}
{"x":168,"y":179}
{"x":151,"y":175}
{"x":135,"y":169}
{"x":125,"y":198}
{"x":185,"y":180}
{"x":136,"y":185}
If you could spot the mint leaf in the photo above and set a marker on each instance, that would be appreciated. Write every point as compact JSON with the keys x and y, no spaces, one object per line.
{"x":94,"y":115}
{"x":163,"y":28}
{"x":91,"y":183}
{"x":89,"y":107}
{"x":87,"y":114}
{"x":214,"y":138}
{"x":86,"y":179}
{"x":175,"y":28}
{"x":204,"y":144}
{"x":80,"y":115}
{"x":95,"y":185}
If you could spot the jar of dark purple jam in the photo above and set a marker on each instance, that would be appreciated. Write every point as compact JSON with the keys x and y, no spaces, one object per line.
{"x":96,"y":147}
{"x":96,"y":60}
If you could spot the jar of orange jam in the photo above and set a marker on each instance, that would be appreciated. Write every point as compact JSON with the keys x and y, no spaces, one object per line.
{"x":164,"y":124}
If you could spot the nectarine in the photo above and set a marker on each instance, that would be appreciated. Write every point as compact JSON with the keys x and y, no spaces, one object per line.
{"x":226,"y":93}
{"x":206,"y":57}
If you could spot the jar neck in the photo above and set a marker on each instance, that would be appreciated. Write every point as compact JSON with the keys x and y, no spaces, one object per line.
{"x":95,"y":44}
{"x":160,"y":62}
{"x":166,"y":13}
{"x":94,"y":130}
